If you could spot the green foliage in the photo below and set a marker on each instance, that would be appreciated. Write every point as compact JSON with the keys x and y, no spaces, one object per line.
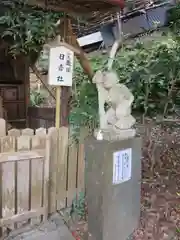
{"x":178,"y":230}
{"x":78,"y":206}
{"x":173,"y":19}
{"x":26,"y":29}
{"x":85,"y":99}
{"x":36,"y":98}
{"x":151,"y":72}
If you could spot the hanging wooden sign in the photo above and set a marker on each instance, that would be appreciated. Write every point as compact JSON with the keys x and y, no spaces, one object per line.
{"x":61,"y":63}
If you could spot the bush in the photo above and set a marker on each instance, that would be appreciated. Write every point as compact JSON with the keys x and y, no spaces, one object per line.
{"x":37,"y":98}
{"x":151,"y":72}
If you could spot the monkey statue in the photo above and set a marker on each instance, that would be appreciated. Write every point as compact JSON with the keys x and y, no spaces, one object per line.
{"x":118,"y":117}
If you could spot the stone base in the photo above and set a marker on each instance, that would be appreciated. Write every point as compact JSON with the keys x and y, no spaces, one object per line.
{"x":115,"y":135}
{"x":113,"y":208}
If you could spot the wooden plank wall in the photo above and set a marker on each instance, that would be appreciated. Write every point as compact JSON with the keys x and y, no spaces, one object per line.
{"x":41,"y":172}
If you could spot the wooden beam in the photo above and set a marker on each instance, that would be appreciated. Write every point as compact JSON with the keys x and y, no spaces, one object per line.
{"x":72,"y":44}
{"x":65,"y":91}
{"x":38,"y":75}
{"x":4,"y":222}
{"x":66,"y":33}
{"x":85,"y":63}
{"x":61,"y":8}
{"x":75,"y":9}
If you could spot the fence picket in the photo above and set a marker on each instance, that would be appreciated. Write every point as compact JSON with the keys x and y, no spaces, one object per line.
{"x":46,"y":176}
{"x":40,"y":173}
{"x":81,"y":161}
{"x":62,"y":168}
{"x":23,"y":176}
{"x":72,"y":173}
{"x":14,"y":132}
{"x":8,"y":179}
{"x":38,"y":144}
{"x":40,"y":131}
{"x":53,"y":135}
{"x":27,"y":132}
{"x":2,"y":127}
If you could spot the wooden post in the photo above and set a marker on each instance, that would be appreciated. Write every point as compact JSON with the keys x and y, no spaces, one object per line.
{"x":58,"y":106}
{"x":65,"y":91}
{"x":70,"y":38}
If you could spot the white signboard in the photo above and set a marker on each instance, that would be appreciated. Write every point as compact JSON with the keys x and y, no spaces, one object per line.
{"x":61,"y":61}
{"x":122,"y":164}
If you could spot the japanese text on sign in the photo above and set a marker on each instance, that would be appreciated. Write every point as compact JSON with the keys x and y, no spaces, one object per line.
{"x":122,"y":164}
{"x":61,"y":61}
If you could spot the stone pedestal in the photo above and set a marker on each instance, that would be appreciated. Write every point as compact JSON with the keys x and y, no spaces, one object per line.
{"x":113,"y":198}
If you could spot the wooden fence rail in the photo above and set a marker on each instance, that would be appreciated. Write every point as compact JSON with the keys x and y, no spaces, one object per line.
{"x":41,"y":172}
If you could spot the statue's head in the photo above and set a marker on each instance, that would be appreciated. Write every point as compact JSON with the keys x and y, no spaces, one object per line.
{"x":110,"y":79}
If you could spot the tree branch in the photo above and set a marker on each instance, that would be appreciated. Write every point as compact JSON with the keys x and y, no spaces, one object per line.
{"x":38,"y":75}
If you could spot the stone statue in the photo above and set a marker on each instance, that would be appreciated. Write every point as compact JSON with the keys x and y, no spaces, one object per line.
{"x":117,"y":120}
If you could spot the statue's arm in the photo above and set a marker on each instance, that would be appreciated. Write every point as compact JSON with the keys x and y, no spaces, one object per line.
{"x":102,"y":95}
{"x":129,"y":97}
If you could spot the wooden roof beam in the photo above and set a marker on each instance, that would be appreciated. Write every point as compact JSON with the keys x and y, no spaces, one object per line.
{"x":62,"y":8}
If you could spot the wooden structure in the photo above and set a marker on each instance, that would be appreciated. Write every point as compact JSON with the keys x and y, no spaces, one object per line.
{"x":75,"y":8}
{"x":86,"y":8}
{"x":78,"y":7}
{"x":14,"y":74}
{"x":41,"y":170}
{"x":36,"y":180}
{"x":14,"y":85}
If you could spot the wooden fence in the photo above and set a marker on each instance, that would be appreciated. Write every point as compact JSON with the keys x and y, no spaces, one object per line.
{"x":41,"y":172}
